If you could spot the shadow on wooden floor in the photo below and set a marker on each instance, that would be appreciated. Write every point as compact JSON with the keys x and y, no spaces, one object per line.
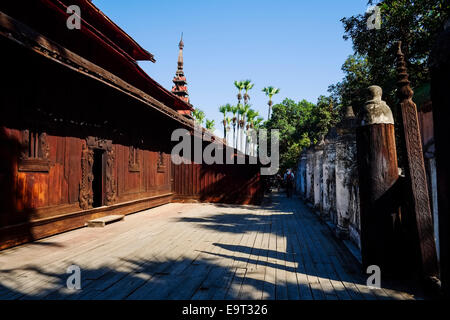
{"x":310,"y":265}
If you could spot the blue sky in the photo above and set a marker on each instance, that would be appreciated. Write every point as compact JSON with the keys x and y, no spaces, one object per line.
{"x":294,"y":45}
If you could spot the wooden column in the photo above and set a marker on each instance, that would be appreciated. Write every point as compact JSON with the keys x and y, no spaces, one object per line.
{"x":416,"y":174}
{"x":378,"y":171}
{"x":440,"y":95}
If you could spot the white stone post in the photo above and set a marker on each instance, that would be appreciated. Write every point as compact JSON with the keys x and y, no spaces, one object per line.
{"x":310,"y":176}
{"x":329,"y":179}
{"x":318,"y":153}
{"x":301,"y":174}
{"x":347,"y":202}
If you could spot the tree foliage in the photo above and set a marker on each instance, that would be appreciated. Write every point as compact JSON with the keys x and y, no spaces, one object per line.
{"x":414,"y":22}
{"x":210,"y":124}
{"x":301,"y":124}
{"x":199,"y":116}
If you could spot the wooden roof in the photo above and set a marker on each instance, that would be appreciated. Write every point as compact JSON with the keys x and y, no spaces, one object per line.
{"x":107,"y":27}
{"x":99,"y":40}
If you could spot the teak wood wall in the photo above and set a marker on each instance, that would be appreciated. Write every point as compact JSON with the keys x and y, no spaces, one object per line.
{"x":236,"y":184}
{"x":75,"y":113}
{"x":71,"y":109}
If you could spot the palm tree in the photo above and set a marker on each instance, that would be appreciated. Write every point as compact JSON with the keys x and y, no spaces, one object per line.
{"x":210,"y":125}
{"x":270,"y":92}
{"x":238,"y":123}
{"x":224,"y":109}
{"x":258,"y":122}
{"x":247,"y":84}
{"x":257,"y":125}
{"x":242,"y":112}
{"x":251,"y":115}
{"x":228,"y":121}
{"x":240,"y":86}
{"x":234,"y":110}
{"x":199,"y":116}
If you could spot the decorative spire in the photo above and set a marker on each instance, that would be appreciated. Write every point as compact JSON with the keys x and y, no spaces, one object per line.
{"x":180,"y":53}
{"x":180,"y":84}
{"x":404,"y":91}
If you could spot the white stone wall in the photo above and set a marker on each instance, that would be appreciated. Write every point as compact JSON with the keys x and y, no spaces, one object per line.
{"x":328,"y":179}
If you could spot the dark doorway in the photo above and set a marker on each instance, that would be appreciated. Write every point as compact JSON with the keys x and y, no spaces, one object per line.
{"x":98,"y":182}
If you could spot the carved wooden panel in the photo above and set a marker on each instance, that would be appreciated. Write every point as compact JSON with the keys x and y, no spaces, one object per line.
{"x":110,"y":192}
{"x":35,"y":152}
{"x":161,"y":164}
{"x":133,"y":159}
{"x":86,"y":194}
{"x":87,"y":161}
{"x":416,"y":173}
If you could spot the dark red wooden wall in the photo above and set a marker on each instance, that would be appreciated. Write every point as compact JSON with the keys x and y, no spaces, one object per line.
{"x":234,"y":183}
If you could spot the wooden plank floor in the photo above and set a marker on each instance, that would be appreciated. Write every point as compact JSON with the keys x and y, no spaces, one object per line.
{"x":195,"y":251}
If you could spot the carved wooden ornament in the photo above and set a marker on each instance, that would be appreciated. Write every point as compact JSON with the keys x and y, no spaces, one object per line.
{"x":416,"y":170}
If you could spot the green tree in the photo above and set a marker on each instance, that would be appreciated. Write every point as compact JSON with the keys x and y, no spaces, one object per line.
{"x":251,"y":117}
{"x":301,"y":125}
{"x":351,"y":91}
{"x":247,"y":85}
{"x":270,"y":92}
{"x":228,"y":121}
{"x":323,"y":117}
{"x":238,"y":123}
{"x":199,"y":116}
{"x":240,"y":86}
{"x":234,"y":110}
{"x":242,"y":112}
{"x":224,"y":110}
{"x":415,"y":23}
{"x":210,"y":124}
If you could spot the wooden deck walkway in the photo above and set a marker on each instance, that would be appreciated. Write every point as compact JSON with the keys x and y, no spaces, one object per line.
{"x":194,"y":251}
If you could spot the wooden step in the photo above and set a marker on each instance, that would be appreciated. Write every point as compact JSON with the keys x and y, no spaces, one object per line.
{"x":103,"y":221}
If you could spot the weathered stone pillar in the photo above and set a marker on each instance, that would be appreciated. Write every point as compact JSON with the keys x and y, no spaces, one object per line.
{"x":310,"y":175}
{"x":346,"y":176}
{"x":378,"y":171}
{"x":318,"y":153}
{"x":329,"y":177}
{"x":301,"y":176}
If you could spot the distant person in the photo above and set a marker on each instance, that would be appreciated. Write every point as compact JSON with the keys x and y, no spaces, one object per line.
{"x":279,"y":181}
{"x":289,"y":182}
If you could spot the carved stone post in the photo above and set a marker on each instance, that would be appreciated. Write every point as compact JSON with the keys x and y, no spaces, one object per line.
{"x":301,"y":176}
{"x":310,"y":175}
{"x":318,"y":153}
{"x":416,"y":174}
{"x":345,"y":177}
{"x":378,"y":171}
{"x":440,"y":95}
{"x":329,"y":177}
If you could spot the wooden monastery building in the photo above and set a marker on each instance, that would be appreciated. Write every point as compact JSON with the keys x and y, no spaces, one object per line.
{"x":85,"y":132}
